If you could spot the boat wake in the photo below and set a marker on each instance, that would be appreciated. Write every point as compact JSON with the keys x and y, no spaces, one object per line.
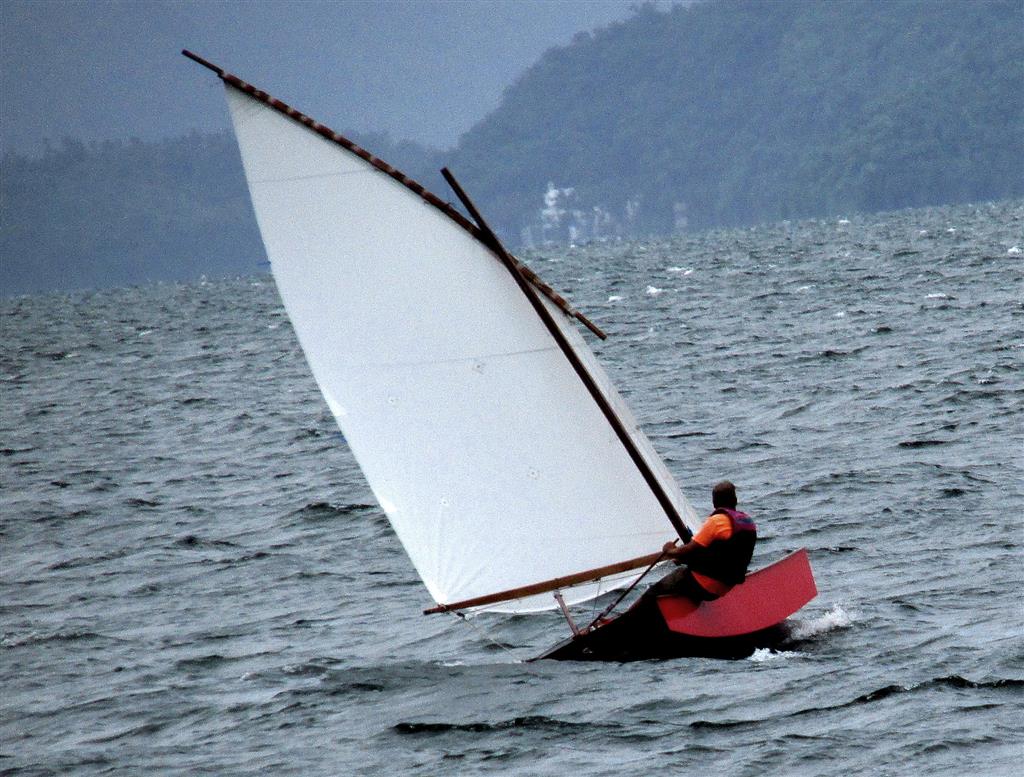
{"x":833,"y":620}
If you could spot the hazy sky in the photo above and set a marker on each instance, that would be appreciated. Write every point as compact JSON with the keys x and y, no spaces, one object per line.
{"x":420,"y":69}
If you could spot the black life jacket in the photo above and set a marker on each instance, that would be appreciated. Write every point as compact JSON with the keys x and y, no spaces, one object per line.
{"x":727,"y":560}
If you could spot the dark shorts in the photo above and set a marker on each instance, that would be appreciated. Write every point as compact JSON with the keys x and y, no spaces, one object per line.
{"x":681,"y":582}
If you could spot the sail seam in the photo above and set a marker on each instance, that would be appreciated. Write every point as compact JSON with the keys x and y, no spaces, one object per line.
{"x":455,"y":360}
{"x":311,"y":176}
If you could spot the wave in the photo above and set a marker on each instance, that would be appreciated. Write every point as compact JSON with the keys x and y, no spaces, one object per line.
{"x":922,"y":443}
{"x":84,"y":561}
{"x":833,"y":620}
{"x":762,"y":655}
{"x":315,"y":510}
{"x":193,"y":541}
{"x":955,"y":682}
{"x":140,"y":502}
{"x":528,"y":722}
{"x":37,"y":638}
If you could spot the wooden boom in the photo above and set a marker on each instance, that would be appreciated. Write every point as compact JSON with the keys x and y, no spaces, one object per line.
{"x":549,"y":585}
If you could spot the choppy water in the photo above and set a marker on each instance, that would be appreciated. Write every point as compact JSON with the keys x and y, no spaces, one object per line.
{"x":194,"y":578}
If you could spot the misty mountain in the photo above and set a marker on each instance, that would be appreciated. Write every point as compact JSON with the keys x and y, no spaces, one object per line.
{"x":738,"y":112}
{"x":127,"y":213}
{"x":715,"y":114}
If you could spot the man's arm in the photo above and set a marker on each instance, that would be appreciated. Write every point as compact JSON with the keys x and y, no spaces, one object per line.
{"x":679,"y":553}
{"x":717,"y":526}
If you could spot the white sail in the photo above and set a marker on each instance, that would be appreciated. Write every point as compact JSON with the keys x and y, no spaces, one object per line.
{"x":658,"y":468}
{"x":494,"y":464}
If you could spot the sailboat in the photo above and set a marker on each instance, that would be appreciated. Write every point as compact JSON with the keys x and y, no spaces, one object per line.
{"x":511,"y":470}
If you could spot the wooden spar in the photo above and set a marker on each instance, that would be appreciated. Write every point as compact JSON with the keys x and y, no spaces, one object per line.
{"x":557,"y":298}
{"x":205,"y":63}
{"x":565,"y":611}
{"x":548,"y":585}
{"x":399,"y":176}
{"x":491,"y":240}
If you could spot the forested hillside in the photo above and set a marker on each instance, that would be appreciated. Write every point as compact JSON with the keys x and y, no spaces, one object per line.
{"x":122,"y":213}
{"x":126,"y":213}
{"x":727,"y":112}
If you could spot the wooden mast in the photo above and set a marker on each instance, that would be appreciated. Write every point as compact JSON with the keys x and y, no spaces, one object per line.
{"x":491,"y":241}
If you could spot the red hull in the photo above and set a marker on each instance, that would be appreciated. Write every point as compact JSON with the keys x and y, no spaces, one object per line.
{"x":767,"y":598}
{"x":750,"y":616}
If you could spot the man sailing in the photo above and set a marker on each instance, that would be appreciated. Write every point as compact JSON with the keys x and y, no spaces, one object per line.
{"x":716,"y":558}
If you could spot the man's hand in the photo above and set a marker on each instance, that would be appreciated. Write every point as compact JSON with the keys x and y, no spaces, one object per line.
{"x":677,"y":552}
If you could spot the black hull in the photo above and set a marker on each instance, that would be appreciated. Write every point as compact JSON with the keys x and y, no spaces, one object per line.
{"x":641,"y":634}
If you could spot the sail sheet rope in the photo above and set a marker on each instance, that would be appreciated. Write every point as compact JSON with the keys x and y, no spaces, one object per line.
{"x":484,"y":635}
{"x":608,"y":610}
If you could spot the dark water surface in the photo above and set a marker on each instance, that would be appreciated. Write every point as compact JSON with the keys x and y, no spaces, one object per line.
{"x":194,"y":578}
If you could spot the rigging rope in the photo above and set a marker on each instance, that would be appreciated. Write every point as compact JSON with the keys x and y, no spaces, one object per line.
{"x":486,"y":636}
{"x":604,"y":613}
{"x":624,"y":594}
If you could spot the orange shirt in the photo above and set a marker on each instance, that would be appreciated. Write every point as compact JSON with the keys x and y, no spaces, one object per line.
{"x":716,"y":527}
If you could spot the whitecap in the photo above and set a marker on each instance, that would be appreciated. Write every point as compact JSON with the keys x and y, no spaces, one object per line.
{"x":844,"y":222}
{"x":836,"y":618}
{"x":615,"y":298}
{"x":761,"y":655}
{"x":653,"y":291}
{"x":683,"y":270}
{"x":1013,"y":251}
{"x":937,"y":295}
{"x":841,"y":314}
